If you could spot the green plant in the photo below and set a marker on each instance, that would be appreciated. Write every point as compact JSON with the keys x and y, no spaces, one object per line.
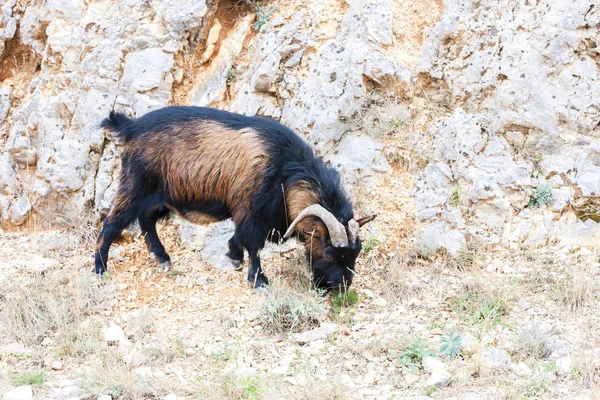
{"x":430,"y":390}
{"x":541,"y":196}
{"x":454,"y":195}
{"x":490,"y":312}
{"x":412,"y":354}
{"x":250,"y":388}
{"x":262,"y":16}
{"x":370,"y":244}
{"x":487,"y":311}
{"x":396,"y":123}
{"x":450,"y":345}
{"x":28,"y":378}
{"x":231,"y":74}
{"x":346,"y":299}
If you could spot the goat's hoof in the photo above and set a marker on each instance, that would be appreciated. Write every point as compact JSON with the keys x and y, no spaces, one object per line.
{"x":260,"y":282}
{"x":237,"y":264}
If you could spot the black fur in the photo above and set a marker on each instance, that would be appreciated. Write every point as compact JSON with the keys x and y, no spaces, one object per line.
{"x":291,"y":160}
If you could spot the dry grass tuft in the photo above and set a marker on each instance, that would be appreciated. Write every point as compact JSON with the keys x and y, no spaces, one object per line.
{"x":111,"y":375}
{"x":284,"y":310}
{"x":575,"y":288}
{"x":399,"y":280}
{"x":532,"y":341}
{"x":48,"y":303}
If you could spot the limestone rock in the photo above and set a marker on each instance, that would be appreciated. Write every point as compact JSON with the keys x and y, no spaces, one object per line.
{"x":322,"y":332}
{"x":439,"y":378}
{"x":431,"y":364}
{"x":493,"y":358}
{"x":20,"y":208}
{"x":19,"y":393}
{"x":145,"y":69}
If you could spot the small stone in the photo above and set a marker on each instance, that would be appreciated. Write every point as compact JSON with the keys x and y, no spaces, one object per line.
{"x":431,"y":364}
{"x":439,"y":378}
{"x":57,"y":365}
{"x":19,"y":393}
{"x":317,"y":346}
{"x":105,"y":397}
{"x":368,"y":293}
{"x":47,"y":341}
{"x":468,"y":343}
{"x":493,"y":358}
{"x":379,"y":302}
{"x":521,"y":369}
{"x":564,"y":365}
{"x":114,"y":335}
{"x":171,"y":396}
{"x":414,"y":302}
{"x":322,"y":332}
{"x":436,"y":332}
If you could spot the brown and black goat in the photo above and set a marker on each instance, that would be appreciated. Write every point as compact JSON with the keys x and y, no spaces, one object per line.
{"x":205,"y":165}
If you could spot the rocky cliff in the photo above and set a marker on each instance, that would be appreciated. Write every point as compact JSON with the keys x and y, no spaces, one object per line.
{"x":512,"y":90}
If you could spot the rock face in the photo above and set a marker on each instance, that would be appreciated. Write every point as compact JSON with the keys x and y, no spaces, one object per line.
{"x":94,"y":57}
{"x":524,"y":79}
{"x":520,"y":82}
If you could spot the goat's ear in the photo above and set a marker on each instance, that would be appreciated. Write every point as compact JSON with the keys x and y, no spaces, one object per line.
{"x":310,"y":234}
{"x":364,"y":220}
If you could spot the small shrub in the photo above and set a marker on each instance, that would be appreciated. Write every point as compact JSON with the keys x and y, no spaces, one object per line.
{"x":488,"y":311}
{"x":396,"y":123}
{"x":341,"y":300}
{"x":426,"y":248}
{"x":231,"y":74}
{"x":250,"y":388}
{"x":399,"y":281}
{"x":262,"y":16}
{"x":541,"y":196}
{"x":454,"y":195}
{"x":532,"y":341}
{"x":450,"y":345}
{"x":287,"y":311}
{"x":575,"y":287}
{"x":464,"y":260}
{"x":370,"y":244}
{"x":28,"y":378}
{"x":412,"y":354}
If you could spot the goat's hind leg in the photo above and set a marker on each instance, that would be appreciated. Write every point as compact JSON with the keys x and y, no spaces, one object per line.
{"x":155,"y":247}
{"x":236,"y":251}
{"x":114,"y":223}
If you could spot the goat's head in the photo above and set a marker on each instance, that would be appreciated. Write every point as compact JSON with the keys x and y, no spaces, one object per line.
{"x":333,"y":246}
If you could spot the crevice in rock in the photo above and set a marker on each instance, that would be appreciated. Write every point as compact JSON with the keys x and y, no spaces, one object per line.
{"x":188,"y":60}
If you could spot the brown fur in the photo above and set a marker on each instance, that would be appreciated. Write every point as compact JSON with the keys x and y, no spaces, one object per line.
{"x":311,"y":230}
{"x":204,"y":160}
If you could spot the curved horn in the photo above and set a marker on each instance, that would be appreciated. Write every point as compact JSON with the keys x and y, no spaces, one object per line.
{"x":353,"y":228}
{"x":337,"y":232}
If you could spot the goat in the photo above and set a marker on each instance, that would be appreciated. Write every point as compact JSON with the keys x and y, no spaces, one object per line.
{"x":206,"y":165}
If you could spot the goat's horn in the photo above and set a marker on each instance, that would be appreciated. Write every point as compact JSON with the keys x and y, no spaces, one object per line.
{"x":337,"y":232}
{"x":353,"y":228}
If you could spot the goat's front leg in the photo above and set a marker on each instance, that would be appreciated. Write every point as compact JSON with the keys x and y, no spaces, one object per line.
{"x":255,"y":273}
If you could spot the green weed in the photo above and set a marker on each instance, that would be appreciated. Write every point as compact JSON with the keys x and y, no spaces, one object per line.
{"x":28,"y":378}
{"x":412,"y":354}
{"x":541,"y":196}
{"x":450,"y":345}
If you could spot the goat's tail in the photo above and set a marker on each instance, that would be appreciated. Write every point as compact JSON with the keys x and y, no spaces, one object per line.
{"x":118,"y":123}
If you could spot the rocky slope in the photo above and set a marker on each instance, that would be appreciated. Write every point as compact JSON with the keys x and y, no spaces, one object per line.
{"x":469,"y":126}
{"x":515,"y":89}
